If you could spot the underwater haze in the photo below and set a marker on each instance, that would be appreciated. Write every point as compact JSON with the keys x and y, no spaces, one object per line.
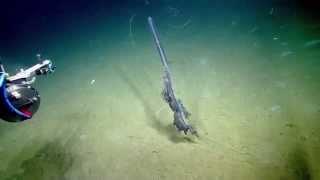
{"x":248,"y":71}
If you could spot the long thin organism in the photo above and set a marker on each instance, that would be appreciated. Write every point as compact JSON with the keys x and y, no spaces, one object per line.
{"x":180,"y":112}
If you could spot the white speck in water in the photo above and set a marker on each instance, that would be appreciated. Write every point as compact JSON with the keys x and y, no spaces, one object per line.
{"x":83,"y":137}
{"x":286,"y":53}
{"x":254,"y":29}
{"x":275,"y":38}
{"x":203,"y":61}
{"x":271,"y":11}
{"x":275,"y":108}
{"x":312,"y":43}
{"x":234,"y":23}
{"x":92,"y":81}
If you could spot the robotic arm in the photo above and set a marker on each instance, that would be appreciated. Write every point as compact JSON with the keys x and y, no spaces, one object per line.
{"x":28,"y":76}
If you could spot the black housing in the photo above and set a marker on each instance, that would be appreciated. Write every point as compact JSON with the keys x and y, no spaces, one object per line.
{"x":19,"y":102}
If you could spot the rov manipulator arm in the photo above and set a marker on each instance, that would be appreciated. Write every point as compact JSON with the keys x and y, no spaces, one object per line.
{"x":180,"y":112}
{"x":28,"y":76}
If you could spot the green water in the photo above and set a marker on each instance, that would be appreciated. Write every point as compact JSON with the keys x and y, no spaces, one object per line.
{"x":249,"y":79}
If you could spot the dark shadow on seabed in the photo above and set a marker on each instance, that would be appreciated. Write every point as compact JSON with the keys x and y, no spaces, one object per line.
{"x":298,"y":164}
{"x":164,"y":129}
{"x":51,"y":162}
{"x":53,"y":159}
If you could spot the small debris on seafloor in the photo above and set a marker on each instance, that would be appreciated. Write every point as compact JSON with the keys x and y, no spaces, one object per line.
{"x":254,"y":29}
{"x":312,"y":43}
{"x":286,"y":53}
{"x":275,"y":38}
{"x":275,"y":108}
{"x":92,"y":81}
{"x":155,"y":151}
{"x":290,"y":125}
{"x":271,"y":11}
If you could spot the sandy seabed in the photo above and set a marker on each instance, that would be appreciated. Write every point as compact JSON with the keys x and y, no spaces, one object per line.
{"x":256,"y":109}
